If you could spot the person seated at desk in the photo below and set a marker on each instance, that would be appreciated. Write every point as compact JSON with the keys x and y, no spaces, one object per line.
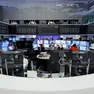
{"x":41,"y":48}
{"x":25,"y":62}
{"x":74,"y":48}
{"x":58,"y":47}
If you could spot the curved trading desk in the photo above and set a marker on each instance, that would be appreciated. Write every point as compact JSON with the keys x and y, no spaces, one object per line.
{"x":72,"y":85}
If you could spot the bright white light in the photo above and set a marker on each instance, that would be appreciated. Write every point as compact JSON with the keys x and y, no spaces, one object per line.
{"x":68,"y":5}
{"x":71,"y":5}
{"x":58,"y":5}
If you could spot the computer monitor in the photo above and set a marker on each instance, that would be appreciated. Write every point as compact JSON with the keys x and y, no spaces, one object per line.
{"x":84,"y":43}
{"x":76,"y":42}
{"x":28,"y":38}
{"x":11,"y":48}
{"x":14,"y":39}
{"x":46,"y":42}
{"x":68,"y":43}
{"x":63,"y":43}
{"x":39,"y":42}
{"x":4,"y":46}
{"x":83,"y":48}
{"x":17,"y":39}
{"x":35,"y":45}
{"x":10,"y":38}
{"x":57,"y":42}
{"x":46,"y":45}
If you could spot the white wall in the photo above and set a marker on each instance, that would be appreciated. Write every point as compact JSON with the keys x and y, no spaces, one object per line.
{"x":41,"y":9}
{"x":37,"y":13}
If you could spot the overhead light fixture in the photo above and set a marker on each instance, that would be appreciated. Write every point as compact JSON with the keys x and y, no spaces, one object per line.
{"x":59,"y":5}
{"x":68,"y":4}
{"x":71,"y":5}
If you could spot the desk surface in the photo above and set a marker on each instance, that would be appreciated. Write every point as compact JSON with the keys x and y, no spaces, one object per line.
{"x":44,"y":57}
{"x":47,"y":84}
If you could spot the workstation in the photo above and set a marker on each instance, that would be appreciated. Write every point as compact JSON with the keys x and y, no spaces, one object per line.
{"x":46,"y":46}
{"x":45,"y":54}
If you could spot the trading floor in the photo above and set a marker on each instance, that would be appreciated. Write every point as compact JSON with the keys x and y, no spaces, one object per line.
{"x":46,"y":56}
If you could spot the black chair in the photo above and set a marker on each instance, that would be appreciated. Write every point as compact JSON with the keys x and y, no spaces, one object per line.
{"x":68,"y":62}
{"x":91,"y":57}
{"x":31,"y":58}
{"x":53,"y":66}
{"x":82,"y":62}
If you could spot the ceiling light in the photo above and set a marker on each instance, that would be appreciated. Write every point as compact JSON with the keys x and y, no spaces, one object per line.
{"x":68,"y":5}
{"x":71,"y":5}
{"x":58,"y":5}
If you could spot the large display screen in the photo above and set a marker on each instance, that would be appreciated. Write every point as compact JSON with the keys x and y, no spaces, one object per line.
{"x":63,"y":43}
{"x":46,"y":44}
{"x":39,"y":42}
{"x":4,"y":46}
{"x":84,"y":45}
{"x":57,"y":42}
{"x":68,"y":43}
{"x":35,"y":45}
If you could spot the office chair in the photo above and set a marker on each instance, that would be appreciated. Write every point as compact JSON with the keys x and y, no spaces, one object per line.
{"x":91,"y":57}
{"x":66,"y":60}
{"x":84,"y":61}
{"x":81,"y":62}
{"x":53,"y":66}
{"x":7,"y":63}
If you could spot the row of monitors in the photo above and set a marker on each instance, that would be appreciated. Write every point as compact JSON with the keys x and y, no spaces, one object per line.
{"x":6,"y":46}
{"x":66,"y":44}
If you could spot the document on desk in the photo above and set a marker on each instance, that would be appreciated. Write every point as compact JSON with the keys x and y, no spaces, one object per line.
{"x":43,"y":57}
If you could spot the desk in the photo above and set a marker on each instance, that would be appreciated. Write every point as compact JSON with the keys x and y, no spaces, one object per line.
{"x":44,"y":57}
{"x":71,"y":85}
{"x":42,"y":61}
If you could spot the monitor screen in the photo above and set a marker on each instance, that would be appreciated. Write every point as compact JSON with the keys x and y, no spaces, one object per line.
{"x":68,"y":43}
{"x":35,"y":42}
{"x":10,"y":38}
{"x":52,"y":41}
{"x":39,"y":42}
{"x":57,"y":42}
{"x":84,"y":43}
{"x":83,"y":48}
{"x":46,"y":42}
{"x":14,"y":39}
{"x":28,"y":38}
{"x":35,"y":45}
{"x":46,"y":45}
{"x":63,"y":43}
{"x":17,"y":39}
{"x":4,"y":46}
{"x":76,"y":42}
{"x":11,"y":48}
